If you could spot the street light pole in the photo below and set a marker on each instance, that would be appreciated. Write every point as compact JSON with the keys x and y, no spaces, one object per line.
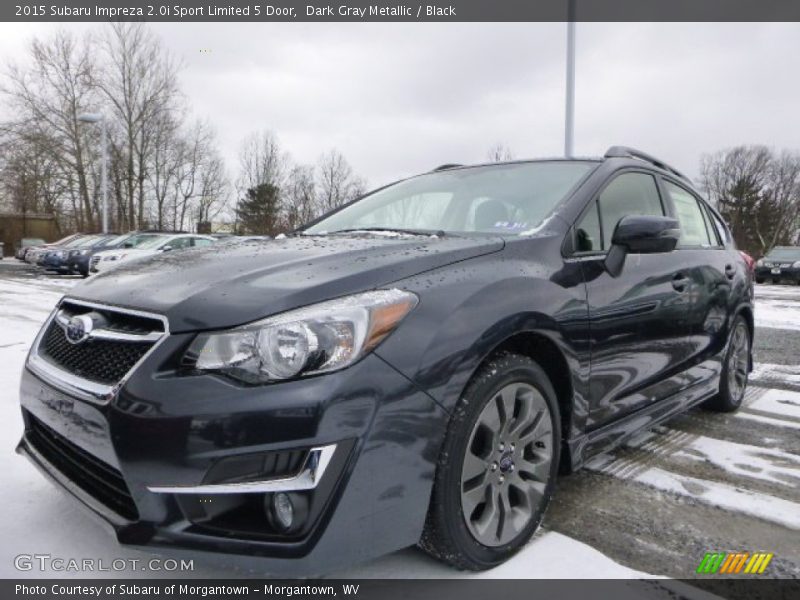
{"x":104,"y":172}
{"x":569,"y":117}
{"x":98,"y":118}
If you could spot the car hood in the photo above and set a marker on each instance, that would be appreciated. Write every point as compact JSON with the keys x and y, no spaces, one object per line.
{"x":231,"y":284}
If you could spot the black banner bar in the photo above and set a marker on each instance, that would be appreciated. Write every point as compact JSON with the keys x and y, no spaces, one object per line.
{"x":735,"y":588}
{"x":400,"y":11}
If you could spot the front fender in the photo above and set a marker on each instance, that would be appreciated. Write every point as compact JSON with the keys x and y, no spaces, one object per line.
{"x":466,"y":311}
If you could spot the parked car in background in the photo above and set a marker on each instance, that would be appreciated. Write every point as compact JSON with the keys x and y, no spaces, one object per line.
{"x":413,"y":368}
{"x":148,"y":244}
{"x":56,"y":259}
{"x":781,"y":265}
{"x":35,"y":254}
{"x":79,"y":259}
{"x":22,"y":246}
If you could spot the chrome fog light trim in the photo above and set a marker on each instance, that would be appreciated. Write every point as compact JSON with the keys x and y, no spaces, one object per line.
{"x":306,"y":479}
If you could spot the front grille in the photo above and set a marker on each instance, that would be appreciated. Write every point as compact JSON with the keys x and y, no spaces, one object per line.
{"x":103,"y":361}
{"x":98,"y":479}
{"x":99,"y":359}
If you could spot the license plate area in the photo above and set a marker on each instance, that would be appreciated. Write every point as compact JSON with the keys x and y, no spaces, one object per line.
{"x":79,"y":422}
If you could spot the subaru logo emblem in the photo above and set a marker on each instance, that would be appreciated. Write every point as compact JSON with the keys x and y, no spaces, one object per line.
{"x":78,"y":328}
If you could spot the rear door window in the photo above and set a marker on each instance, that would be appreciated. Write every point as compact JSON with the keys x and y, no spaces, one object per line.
{"x":694,"y":231}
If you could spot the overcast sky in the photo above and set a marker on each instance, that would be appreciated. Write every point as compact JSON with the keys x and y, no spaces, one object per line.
{"x":398,"y":99}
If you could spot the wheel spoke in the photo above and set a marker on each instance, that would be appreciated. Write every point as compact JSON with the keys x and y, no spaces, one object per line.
{"x":487,"y":524}
{"x":474,"y":466}
{"x":507,"y":400}
{"x":540,"y":427}
{"x":472,"y":498}
{"x":538,"y":470}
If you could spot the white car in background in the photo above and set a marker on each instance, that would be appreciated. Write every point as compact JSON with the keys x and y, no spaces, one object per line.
{"x":148,"y":244}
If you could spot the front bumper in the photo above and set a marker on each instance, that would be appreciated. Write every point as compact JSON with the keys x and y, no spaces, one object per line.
{"x":166,"y":431}
{"x":778,"y":274}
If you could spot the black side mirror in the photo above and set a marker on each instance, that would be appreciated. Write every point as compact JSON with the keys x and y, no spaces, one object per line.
{"x":641,"y":234}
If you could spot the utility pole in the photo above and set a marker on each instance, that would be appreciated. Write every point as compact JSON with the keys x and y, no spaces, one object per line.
{"x":569,"y":117}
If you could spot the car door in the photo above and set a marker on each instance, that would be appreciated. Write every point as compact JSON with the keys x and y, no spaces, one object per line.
{"x":638,"y":320}
{"x":712,"y":269}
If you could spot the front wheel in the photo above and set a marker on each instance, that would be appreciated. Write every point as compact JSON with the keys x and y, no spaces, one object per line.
{"x":497,"y":468}
{"x":735,"y":370}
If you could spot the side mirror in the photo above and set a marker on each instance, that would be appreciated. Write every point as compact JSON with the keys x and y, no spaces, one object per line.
{"x":127,"y":245}
{"x":641,"y":234}
{"x":166,"y":248}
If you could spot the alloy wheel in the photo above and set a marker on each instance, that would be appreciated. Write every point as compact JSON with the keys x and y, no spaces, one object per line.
{"x":507,"y":464}
{"x":738,"y":360}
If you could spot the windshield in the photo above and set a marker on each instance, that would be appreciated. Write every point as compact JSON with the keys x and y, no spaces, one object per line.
{"x":508,"y":198}
{"x":32,"y":242}
{"x":143,"y":242}
{"x":784,"y":254}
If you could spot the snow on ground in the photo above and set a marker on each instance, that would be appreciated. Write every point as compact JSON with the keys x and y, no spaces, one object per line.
{"x":769,"y":464}
{"x":549,"y":556}
{"x":778,"y":402}
{"x":776,"y":307}
{"x":786,"y":373}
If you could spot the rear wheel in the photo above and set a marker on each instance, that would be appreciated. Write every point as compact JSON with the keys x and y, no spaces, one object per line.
{"x":497,"y":468}
{"x":735,"y":370}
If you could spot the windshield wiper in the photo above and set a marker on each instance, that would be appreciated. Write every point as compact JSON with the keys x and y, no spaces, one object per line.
{"x":426,"y":232}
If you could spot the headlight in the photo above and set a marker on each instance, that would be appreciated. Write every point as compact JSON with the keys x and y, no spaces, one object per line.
{"x":317,"y":339}
{"x":760,"y":262}
{"x":796,"y":264}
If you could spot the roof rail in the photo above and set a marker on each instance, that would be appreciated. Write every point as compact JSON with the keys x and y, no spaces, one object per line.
{"x":447,"y":166}
{"x":626,"y":152}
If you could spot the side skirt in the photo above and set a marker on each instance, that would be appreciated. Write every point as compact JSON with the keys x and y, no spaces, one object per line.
{"x":614,"y":434}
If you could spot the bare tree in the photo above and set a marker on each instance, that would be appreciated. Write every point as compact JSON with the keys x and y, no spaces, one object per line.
{"x":301,"y":194}
{"x":47,"y":98}
{"x":212,"y":198}
{"x":757,"y":192}
{"x":164,"y":165}
{"x":499,"y":153}
{"x":139,"y":81}
{"x":337,"y":183}
{"x":261,"y":160}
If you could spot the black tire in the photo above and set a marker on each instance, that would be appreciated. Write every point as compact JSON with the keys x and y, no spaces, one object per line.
{"x":446,"y":535}
{"x":759,"y":280}
{"x":736,"y":366}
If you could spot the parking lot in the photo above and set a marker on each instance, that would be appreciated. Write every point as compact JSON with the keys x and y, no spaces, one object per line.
{"x":700,"y":483}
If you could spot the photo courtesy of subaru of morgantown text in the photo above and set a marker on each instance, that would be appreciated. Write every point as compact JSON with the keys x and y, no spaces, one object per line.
{"x":374,"y":299}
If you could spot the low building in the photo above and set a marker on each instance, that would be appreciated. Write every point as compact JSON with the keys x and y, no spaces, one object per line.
{"x":15,"y":226}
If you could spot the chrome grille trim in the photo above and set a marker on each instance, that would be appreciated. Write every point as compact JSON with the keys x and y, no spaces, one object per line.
{"x":91,"y":391}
